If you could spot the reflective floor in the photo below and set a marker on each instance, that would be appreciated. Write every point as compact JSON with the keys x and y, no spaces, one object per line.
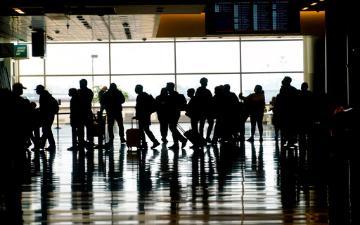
{"x":244,"y":184}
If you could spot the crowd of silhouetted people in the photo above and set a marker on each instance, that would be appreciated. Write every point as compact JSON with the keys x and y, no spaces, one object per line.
{"x":294,"y":113}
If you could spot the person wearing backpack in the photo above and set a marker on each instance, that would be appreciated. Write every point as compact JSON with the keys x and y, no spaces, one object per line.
{"x":144,"y":108}
{"x":48,"y":107}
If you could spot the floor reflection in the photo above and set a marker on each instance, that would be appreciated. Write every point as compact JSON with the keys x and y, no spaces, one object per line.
{"x":248,"y":183}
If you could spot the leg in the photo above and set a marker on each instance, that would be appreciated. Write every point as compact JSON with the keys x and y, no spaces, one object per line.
{"x":253,"y":125}
{"x":111,"y":128}
{"x":210,"y":127}
{"x":201,"y":126}
{"x":259,"y":121}
{"x":120,"y":123}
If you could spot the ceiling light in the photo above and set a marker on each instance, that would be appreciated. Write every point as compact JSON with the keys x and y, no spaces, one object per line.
{"x":18,"y":11}
{"x":314,"y":3}
{"x":305,"y":8}
{"x":321,"y":0}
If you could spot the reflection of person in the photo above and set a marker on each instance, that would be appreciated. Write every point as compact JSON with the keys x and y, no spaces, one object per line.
{"x":255,"y":104}
{"x":113,"y":100}
{"x":143,"y":112}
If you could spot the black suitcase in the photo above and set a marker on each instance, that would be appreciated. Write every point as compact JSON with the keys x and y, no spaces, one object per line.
{"x":133,"y":138}
{"x":194,"y":137}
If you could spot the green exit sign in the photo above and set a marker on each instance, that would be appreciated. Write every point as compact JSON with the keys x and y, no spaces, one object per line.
{"x":20,"y":51}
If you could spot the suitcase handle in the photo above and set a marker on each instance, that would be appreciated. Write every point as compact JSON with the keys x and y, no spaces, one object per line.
{"x":132,"y":122}
{"x":180,"y":128}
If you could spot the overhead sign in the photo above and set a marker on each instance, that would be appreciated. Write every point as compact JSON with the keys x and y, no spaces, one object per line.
{"x":20,"y":51}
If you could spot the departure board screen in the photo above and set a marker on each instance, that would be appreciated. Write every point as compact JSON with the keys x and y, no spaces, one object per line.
{"x":252,"y":16}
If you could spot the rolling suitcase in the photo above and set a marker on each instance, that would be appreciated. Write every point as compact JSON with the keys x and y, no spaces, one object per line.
{"x":194,"y":137}
{"x":133,"y":138}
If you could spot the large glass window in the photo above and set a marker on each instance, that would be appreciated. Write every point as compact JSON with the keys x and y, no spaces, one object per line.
{"x":214,"y":57}
{"x":62,"y":59}
{"x":271,"y":56}
{"x":263,"y":61}
{"x":32,"y":65}
{"x":135,"y":58}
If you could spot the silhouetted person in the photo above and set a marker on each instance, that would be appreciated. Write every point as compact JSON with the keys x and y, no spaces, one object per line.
{"x":162,"y":113}
{"x":205,"y":100}
{"x":113,"y":100}
{"x":218,"y":110}
{"x":192,"y":109}
{"x":86,"y":116}
{"x":306,"y":109}
{"x":101,"y":99}
{"x":176,"y":103}
{"x":255,"y":104}
{"x":35,"y":126}
{"x":275,"y":116}
{"x":74,"y":117}
{"x":144,"y":109}
{"x":231,"y":113}
{"x":287,"y":101}
{"x":48,"y":108}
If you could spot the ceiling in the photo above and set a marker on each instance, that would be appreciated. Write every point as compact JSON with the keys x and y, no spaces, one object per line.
{"x":96,"y":20}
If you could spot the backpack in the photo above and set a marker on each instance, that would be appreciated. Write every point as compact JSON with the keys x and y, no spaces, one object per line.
{"x":54,"y":105}
{"x":151,"y":104}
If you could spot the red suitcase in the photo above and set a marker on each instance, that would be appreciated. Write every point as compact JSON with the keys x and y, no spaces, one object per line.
{"x":133,"y":137}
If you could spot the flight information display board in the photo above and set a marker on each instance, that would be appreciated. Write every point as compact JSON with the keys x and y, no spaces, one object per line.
{"x":252,"y":16}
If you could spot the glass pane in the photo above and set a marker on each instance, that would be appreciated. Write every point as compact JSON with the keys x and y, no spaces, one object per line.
{"x":272,"y":56}
{"x":132,"y":58}
{"x":271,"y":83}
{"x":32,"y":65}
{"x":215,"y":57}
{"x":152,"y":84}
{"x":77,"y":59}
{"x":185,"y":82}
{"x":30,"y":84}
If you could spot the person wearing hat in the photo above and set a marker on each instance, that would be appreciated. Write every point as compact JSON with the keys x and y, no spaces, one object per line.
{"x":48,"y":107}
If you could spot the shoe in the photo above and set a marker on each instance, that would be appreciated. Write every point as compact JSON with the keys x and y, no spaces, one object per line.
{"x":164,"y":140}
{"x":183,"y":143}
{"x":208,"y":140}
{"x":72,"y":148}
{"x":174,"y":147}
{"x":156,"y":143}
{"x":122,"y":140}
{"x":251,"y":139}
{"x":261,"y":139}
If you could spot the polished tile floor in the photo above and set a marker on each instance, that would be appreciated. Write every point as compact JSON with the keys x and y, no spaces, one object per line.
{"x":244,"y":184}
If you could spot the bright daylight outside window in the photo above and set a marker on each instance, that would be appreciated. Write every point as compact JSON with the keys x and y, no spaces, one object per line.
{"x":242,"y":64}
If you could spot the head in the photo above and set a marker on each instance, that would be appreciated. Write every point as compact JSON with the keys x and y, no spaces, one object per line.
{"x":17,"y":88}
{"x":304,"y":86}
{"x":104,"y":88}
{"x":203,"y":82}
{"x":191,"y":92}
{"x":286,"y":81}
{"x":258,"y":89}
{"x":227,"y":88}
{"x":139,"y":89}
{"x":170,"y":87}
{"x":39,"y":89}
{"x":83,"y":83}
{"x":33,"y":105}
{"x":163,"y":92}
{"x":72,"y":92}
{"x":112,"y":86}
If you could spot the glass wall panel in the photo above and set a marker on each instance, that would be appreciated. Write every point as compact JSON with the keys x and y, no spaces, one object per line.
{"x":272,"y":56}
{"x":132,"y":58}
{"x":152,"y":84}
{"x":185,"y":82}
{"x":62,"y":59}
{"x":32,"y":65}
{"x":214,"y":57}
{"x":271,"y":83}
{"x":30,"y":84}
